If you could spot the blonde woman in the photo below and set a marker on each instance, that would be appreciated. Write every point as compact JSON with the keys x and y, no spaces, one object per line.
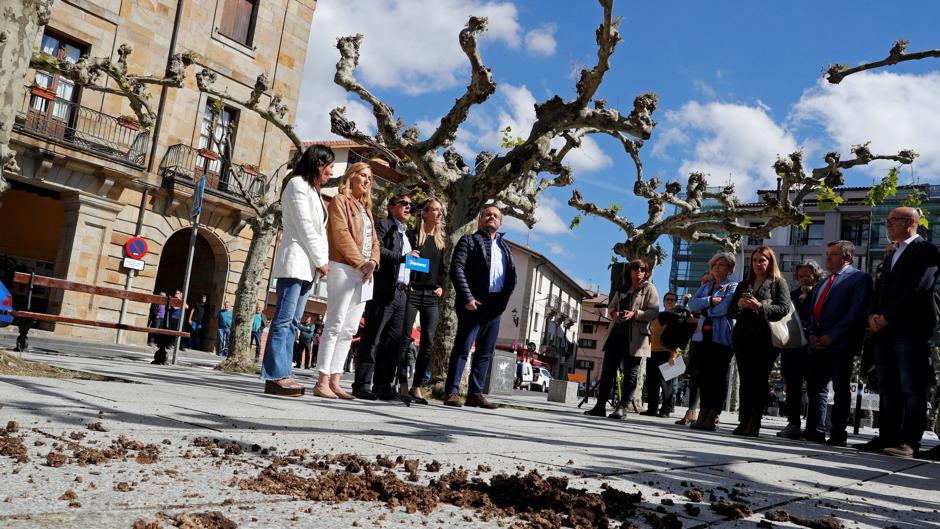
{"x":354,"y":256}
{"x":426,"y":289}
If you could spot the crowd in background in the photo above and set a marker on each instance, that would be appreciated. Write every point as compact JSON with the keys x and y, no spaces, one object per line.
{"x":818,"y":330}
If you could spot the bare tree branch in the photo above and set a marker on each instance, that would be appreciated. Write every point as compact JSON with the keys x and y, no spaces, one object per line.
{"x":898,"y":54}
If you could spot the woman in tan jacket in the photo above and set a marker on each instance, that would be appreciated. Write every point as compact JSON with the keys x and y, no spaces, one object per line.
{"x":354,"y":256}
{"x":632,"y":308}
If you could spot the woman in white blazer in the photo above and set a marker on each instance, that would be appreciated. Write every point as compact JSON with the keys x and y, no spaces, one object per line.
{"x":302,"y":254}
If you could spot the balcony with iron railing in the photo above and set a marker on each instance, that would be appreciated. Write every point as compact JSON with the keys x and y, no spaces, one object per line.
{"x":52,"y":118}
{"x":184,"y":165}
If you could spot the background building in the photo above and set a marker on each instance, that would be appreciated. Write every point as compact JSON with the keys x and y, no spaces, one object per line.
{"x":544,"y":310}
{"x":853,"y":221}
{"x":594,"y":328}
{"x":91,"y":178}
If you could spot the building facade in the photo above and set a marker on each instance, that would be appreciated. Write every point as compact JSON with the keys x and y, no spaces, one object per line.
{"x":595,"y":325}
{"x":543,"y":313}
{"x":852,"y":220}
{"x":91,"y":179}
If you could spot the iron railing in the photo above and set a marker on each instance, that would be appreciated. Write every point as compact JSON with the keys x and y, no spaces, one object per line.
{"x":62,"y":121}
{"x":186,"y":163}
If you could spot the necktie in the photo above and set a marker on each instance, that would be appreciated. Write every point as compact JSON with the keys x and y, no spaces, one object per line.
{"x":817,"y":310}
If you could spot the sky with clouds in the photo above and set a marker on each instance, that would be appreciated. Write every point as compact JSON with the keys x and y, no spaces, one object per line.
{"x":739,"y":83}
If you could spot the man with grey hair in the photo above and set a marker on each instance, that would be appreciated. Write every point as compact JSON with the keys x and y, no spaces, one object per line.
{"x":902,"y":319}
{"x":837,"y":312}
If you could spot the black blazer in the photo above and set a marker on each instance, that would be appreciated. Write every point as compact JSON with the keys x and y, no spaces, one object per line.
{"x":470,"y":273}
{"x":390,"y":257}
{"x":904,"y":294}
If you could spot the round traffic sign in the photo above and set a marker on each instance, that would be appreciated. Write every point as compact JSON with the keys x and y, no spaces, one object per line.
{"x":136,"y":247}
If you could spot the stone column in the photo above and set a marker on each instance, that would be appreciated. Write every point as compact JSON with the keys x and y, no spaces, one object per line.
{"x":85,"y":252}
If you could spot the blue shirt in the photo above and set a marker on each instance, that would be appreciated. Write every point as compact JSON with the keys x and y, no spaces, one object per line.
{"x":256,"y":323}
{"x":497,"y":265}
{"x":225,"y":319}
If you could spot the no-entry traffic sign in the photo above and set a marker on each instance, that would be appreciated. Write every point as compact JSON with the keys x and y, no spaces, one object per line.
{"x":136,"y":247}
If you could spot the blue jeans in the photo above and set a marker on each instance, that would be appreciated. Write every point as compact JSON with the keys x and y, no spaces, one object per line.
{"x":256,"y":339}
{"x":279,"y":351}
{"x":483,"y":328}
{"x":221,"y":344}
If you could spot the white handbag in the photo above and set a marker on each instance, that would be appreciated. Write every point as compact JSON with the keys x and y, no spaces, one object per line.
{"x":787,"y":332}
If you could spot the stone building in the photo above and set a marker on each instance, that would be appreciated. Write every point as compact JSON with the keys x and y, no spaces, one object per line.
{"x":91,"y":178}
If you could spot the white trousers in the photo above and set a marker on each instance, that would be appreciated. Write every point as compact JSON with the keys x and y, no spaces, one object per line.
{"x":343,"y":311}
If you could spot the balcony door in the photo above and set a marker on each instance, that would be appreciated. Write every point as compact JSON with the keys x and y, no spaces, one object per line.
{"x":53,"y":100}
{"x":213,"y":155}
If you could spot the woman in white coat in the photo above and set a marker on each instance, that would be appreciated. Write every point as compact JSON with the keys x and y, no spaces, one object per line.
{"x":302,"y":255}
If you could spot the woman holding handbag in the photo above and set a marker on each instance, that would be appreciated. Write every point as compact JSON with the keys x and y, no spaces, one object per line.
{"x":763,"y":297}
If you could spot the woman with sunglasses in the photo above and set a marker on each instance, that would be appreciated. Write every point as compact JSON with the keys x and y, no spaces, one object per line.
{"x":633,"y":306}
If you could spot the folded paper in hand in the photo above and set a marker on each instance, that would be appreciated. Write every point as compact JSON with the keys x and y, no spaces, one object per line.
{"x":417,"y":264}
{"x":672,"y":371}
{"x":365,"y":292}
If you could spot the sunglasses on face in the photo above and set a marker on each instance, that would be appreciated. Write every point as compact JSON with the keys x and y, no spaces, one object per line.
{"x":404,"y":203}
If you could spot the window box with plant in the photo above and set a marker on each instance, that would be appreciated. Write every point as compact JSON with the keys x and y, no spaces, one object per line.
{"x":42,"y":92}
{"x":129,"y":121}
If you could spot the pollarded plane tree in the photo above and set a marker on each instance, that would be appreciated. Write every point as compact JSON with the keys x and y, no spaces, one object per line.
{"x":260,"y":193}
{"x":514,"y":179}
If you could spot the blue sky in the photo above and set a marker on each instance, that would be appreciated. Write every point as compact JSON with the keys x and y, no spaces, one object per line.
{"x":738,"y":83}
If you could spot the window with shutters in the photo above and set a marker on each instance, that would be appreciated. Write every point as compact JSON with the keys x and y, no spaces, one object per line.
{"x":53,"y":98}
{"x":214,"y":150}
{"x":238,"y":20}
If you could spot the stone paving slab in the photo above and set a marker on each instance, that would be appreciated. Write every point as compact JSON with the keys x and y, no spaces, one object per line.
{"x":644,"y":454}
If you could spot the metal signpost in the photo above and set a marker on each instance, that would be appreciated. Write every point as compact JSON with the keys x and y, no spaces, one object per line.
{"x":196,"y":211}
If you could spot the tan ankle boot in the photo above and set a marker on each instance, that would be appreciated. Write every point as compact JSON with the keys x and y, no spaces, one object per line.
{"x":687,"y":419}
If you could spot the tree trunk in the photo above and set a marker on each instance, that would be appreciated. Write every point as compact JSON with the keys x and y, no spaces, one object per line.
{"x":241,"y":355}
{"x":460,"y":221}
{"x":21,"y":21}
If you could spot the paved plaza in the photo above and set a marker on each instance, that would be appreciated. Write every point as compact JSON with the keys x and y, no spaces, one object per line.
{"x":193,"y":416}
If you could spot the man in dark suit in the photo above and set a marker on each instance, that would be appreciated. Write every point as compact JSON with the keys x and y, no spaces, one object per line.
{"x":484,"y":276}
{"x":902,"y":319}
{"x":838,"y":312}
{"x":380,"y":349}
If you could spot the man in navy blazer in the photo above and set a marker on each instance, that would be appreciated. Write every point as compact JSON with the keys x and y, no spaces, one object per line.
{"x":484,"y":276}
{"x":838,"y":312}
{"x":902,"y":318}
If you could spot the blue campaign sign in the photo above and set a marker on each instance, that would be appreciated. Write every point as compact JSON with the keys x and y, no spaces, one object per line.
{"x":197,"y":196}
{"x":417,"y":264}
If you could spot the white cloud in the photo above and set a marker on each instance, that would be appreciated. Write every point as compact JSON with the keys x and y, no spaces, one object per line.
{"x":705,"y":89}
{"x":541,"y":41}
{"x":548,"y":221}
{"x":411,"y":60}
{"x":725,"y":140}
{"x":557,"y":249}
{"x":891,"y":110}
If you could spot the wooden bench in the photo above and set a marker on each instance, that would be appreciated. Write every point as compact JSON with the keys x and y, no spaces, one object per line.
{"x":26,"y":319}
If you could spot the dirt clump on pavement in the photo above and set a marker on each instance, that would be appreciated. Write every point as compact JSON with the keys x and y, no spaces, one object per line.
{"x":695,"y":495}
{"x":55,"y":459}
{"x":141,"y":524}
{"x":779,"y":515}
{"x":203,"y":520}
{"x":11,"y":446}
{"x":97,"y":427}
{"x":12,"y":427}
{"x":536,"y":502}
{"x":819,"y":523}
{"x":68,"y":495}
{"x":731,"y":509}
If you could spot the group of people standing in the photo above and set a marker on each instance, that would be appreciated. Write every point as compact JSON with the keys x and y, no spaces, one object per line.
{"x":196,"y":319}
{"x":391,"y":274}
{"x":837,"y":316}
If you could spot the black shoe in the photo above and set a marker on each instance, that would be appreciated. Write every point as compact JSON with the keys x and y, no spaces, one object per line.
{"x":930,"y":455}
{"x":617,"y":414}
{"x":390,"y":395}
{"x":364,"y":394}
{"x":419,"y":400}
{"x":596,"y":412}
{"x":813,"y":436}
{"x":875,"y":445}
{"x":837,"y":439}
{"x":650,"y":413}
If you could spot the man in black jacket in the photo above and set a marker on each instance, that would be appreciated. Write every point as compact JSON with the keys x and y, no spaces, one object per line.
{"x":902,"y":319}
{"x":484,"y":277}
{"x":379,"y":351}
